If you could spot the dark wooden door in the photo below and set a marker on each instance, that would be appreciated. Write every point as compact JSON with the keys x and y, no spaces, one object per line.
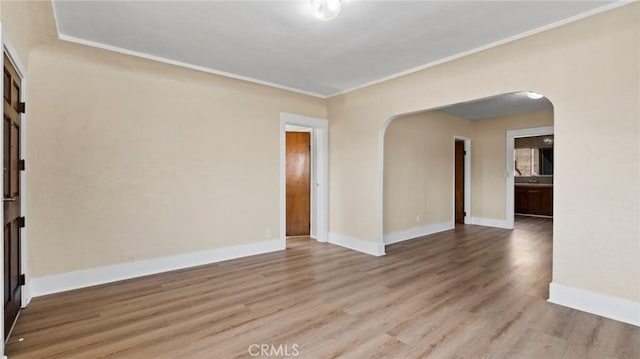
{"x":459,"y":181}
{"x":11,"y":200}
{"x":298,"y":180}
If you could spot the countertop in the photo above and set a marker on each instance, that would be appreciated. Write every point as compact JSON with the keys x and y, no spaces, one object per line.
{"x":534,"y":184}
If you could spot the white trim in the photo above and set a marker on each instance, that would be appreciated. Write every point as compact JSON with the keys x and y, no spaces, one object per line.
{"x":531,"y":132}
{"x":414,"y":233}
{"x":491,"y":222}
{"x":509,"y":39}
{"x":313,"y":184}
{"x":320,"y":173}
{"x":55,"y":17}
{"x":509,"y":173}
{"x":24,"y":258}
{"x":615,"y":308}
{"x":380,"y":204}
{"x":357,"y":244}
{"x":303,"y":121}
{"x":467,"y":178}
{"x":101,"y":275}
{"x":14,"y":58}
{"x":294,"y":128}
{"x":182,"y":64}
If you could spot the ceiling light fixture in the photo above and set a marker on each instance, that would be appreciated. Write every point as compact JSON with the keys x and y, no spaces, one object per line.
{"x":534,"y":95}
{"x":326,"y":10}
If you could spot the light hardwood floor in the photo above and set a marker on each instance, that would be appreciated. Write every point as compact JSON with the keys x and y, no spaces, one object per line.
{"x":472,"y":292}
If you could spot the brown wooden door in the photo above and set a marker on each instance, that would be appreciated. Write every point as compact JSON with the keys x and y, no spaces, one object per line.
{"x":11,"y":162}
{"x":298,"y":148}
{"x":459,"y":181}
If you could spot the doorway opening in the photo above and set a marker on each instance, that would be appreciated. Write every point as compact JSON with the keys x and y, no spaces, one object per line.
{"x":462,"y":180}
{"x":418,"y":172}
{"x":530,"y":154}
{"x":421,"y":182}
{"x":303,"y":177}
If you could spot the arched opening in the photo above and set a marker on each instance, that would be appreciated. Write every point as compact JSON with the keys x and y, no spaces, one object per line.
{"x":419,"y":191}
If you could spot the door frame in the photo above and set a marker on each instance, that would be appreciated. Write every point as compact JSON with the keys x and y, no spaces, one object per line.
{"x":319,"y":174}
{"x":467,"y":178}
{"x":12,"y":54}
{"x":509,"y":173}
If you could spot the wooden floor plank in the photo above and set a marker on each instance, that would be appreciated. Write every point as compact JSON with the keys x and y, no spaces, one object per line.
{"x":468,"y":292}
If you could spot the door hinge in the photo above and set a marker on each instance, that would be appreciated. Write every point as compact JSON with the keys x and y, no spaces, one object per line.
{"x":464,"y":153}
{"x":22,"y":165}
{"x":21,"y":222}
{"x":464,"y":214}
{"x":23,"y":279}
{"x":22,"y":107}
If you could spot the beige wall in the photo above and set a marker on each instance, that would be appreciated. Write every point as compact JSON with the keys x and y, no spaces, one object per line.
{"x":123,"y":166}
{"x":589,"y":70}
{"x":27,"y":24}
{"x":131,"y":159}
{"x":489,"y":161}
{"x":418,"y":166}
{"x":418,"y":169}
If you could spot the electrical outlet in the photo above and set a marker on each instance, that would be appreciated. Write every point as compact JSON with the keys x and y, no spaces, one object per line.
{"x":267,"y":234}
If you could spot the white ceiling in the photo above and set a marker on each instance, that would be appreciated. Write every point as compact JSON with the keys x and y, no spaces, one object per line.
{"x":496,"y":106}
{"x":281,"y":44}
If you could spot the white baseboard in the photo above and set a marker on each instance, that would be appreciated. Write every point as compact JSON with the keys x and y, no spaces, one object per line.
{"x":412,"y":233}
{"x":357,"y":244}
{"x":101,"y":275}
{"x":26,"y":293}
{"x":490,"y":222}
{"x":619,"y":309}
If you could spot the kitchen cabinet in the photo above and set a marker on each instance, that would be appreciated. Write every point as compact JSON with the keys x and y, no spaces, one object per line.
{"x":534,"y":199}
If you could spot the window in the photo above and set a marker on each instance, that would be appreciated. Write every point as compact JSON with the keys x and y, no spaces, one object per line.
{"x":533,"y":156}
{"x":533,"y":161}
